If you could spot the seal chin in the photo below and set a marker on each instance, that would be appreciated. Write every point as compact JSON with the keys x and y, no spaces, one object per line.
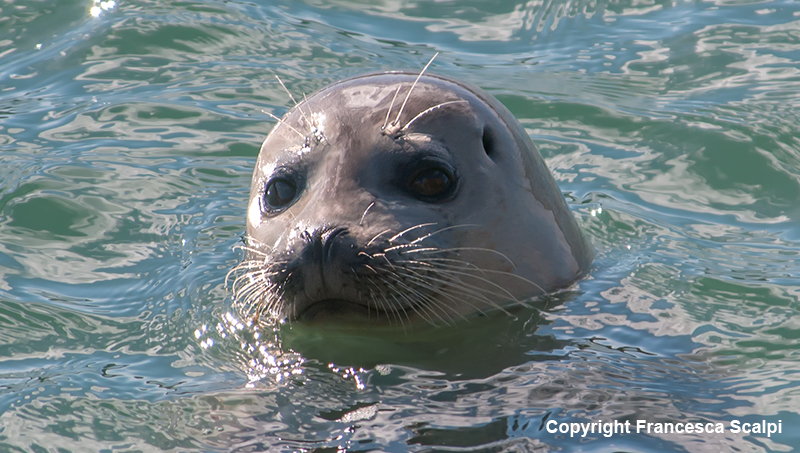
{"x":341,"y":309}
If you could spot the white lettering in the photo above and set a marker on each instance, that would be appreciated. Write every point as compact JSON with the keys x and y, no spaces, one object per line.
{"x":773,"y":428}
{"x":610,"y":428}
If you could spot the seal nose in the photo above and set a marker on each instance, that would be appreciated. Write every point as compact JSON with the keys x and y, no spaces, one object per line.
{"x":325,"y":255}
{"x":320,"y":242}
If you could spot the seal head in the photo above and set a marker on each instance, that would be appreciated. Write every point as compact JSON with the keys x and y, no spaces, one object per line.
{"x":396,"y":197}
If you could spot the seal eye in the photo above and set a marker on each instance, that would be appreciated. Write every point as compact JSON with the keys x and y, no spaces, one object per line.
{"x":280,"y":193}
{"x":432,"y":184}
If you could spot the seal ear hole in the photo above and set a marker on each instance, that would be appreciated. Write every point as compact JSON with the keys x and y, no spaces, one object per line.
{"x":489,"y":142}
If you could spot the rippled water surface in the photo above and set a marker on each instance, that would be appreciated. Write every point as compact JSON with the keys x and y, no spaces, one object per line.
{"x":128,"y":133}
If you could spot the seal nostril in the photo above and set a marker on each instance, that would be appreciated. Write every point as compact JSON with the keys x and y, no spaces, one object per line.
{"x":329,"y":237}
{"x":488,"y":142}
{"x":320,"y":244}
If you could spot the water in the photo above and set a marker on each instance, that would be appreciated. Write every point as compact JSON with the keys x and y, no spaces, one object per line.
{"x":127,"y":139}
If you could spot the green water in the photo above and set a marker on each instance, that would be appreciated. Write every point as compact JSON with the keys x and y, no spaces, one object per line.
{"x":127,"y":142}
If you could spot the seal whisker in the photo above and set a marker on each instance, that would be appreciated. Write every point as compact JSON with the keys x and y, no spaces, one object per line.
{"x":396,"y":308}
{"x":421,"y":299}
{"x":254,"y":251}
{"x":413,"y":248}
{"x":447,"y":284}
{"x":255,"y":276}
{"x":239,"y":267}
{"x":249,"y":288}
{"x":251,"y":248}
{"x":245,"y":290}
{"x":393,"y":309}
{"x":252,"y":299}
{"x":252,"y":244}
{"x":513,"y":275}
{"x":456,"y":283}
{"x":408,"y":95}
{"x":277,"y":304}
{"x":379,"y":304}
{"x":467,"y":274}
{"x":424,"y":308}
{"x":390,"y":309}
{"x":431,"y":304}
{"x":281,"y":121}
{"x":473,"y":249}
{"x":361,"y":297}
{"x":429,"y":110}
{"x":452,"y":290}
{"x":449,"y":280}
{"x":254,"y":303}
{"x":252,"y":264}
{"x":315,"y":129}
{"x":380,"y":307}
{"x":399,"y":247}
{"x":391,"y":104}
{"x":427,"y":308}
{"x":430,"y":262}
{"x":422,"y":238}
{"x":482,"y":270}
{"x":249,"y":264}
{"x":377,"y":236}
{"x":242,"y":281}
{"x":295,"y":102}
{"x":365,"y":213}
{"x":400,"y":234}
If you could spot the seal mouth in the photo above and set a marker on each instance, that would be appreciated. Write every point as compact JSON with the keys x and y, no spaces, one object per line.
{"x":342,"y":309}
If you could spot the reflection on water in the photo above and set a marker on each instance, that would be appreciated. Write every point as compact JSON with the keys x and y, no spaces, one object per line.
{"x":260,"y":351}
{"x":101,"y":6}
{"x":128,"y":132}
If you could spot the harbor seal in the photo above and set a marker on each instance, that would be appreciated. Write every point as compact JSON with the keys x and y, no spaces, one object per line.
{"x":398,"y":197}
